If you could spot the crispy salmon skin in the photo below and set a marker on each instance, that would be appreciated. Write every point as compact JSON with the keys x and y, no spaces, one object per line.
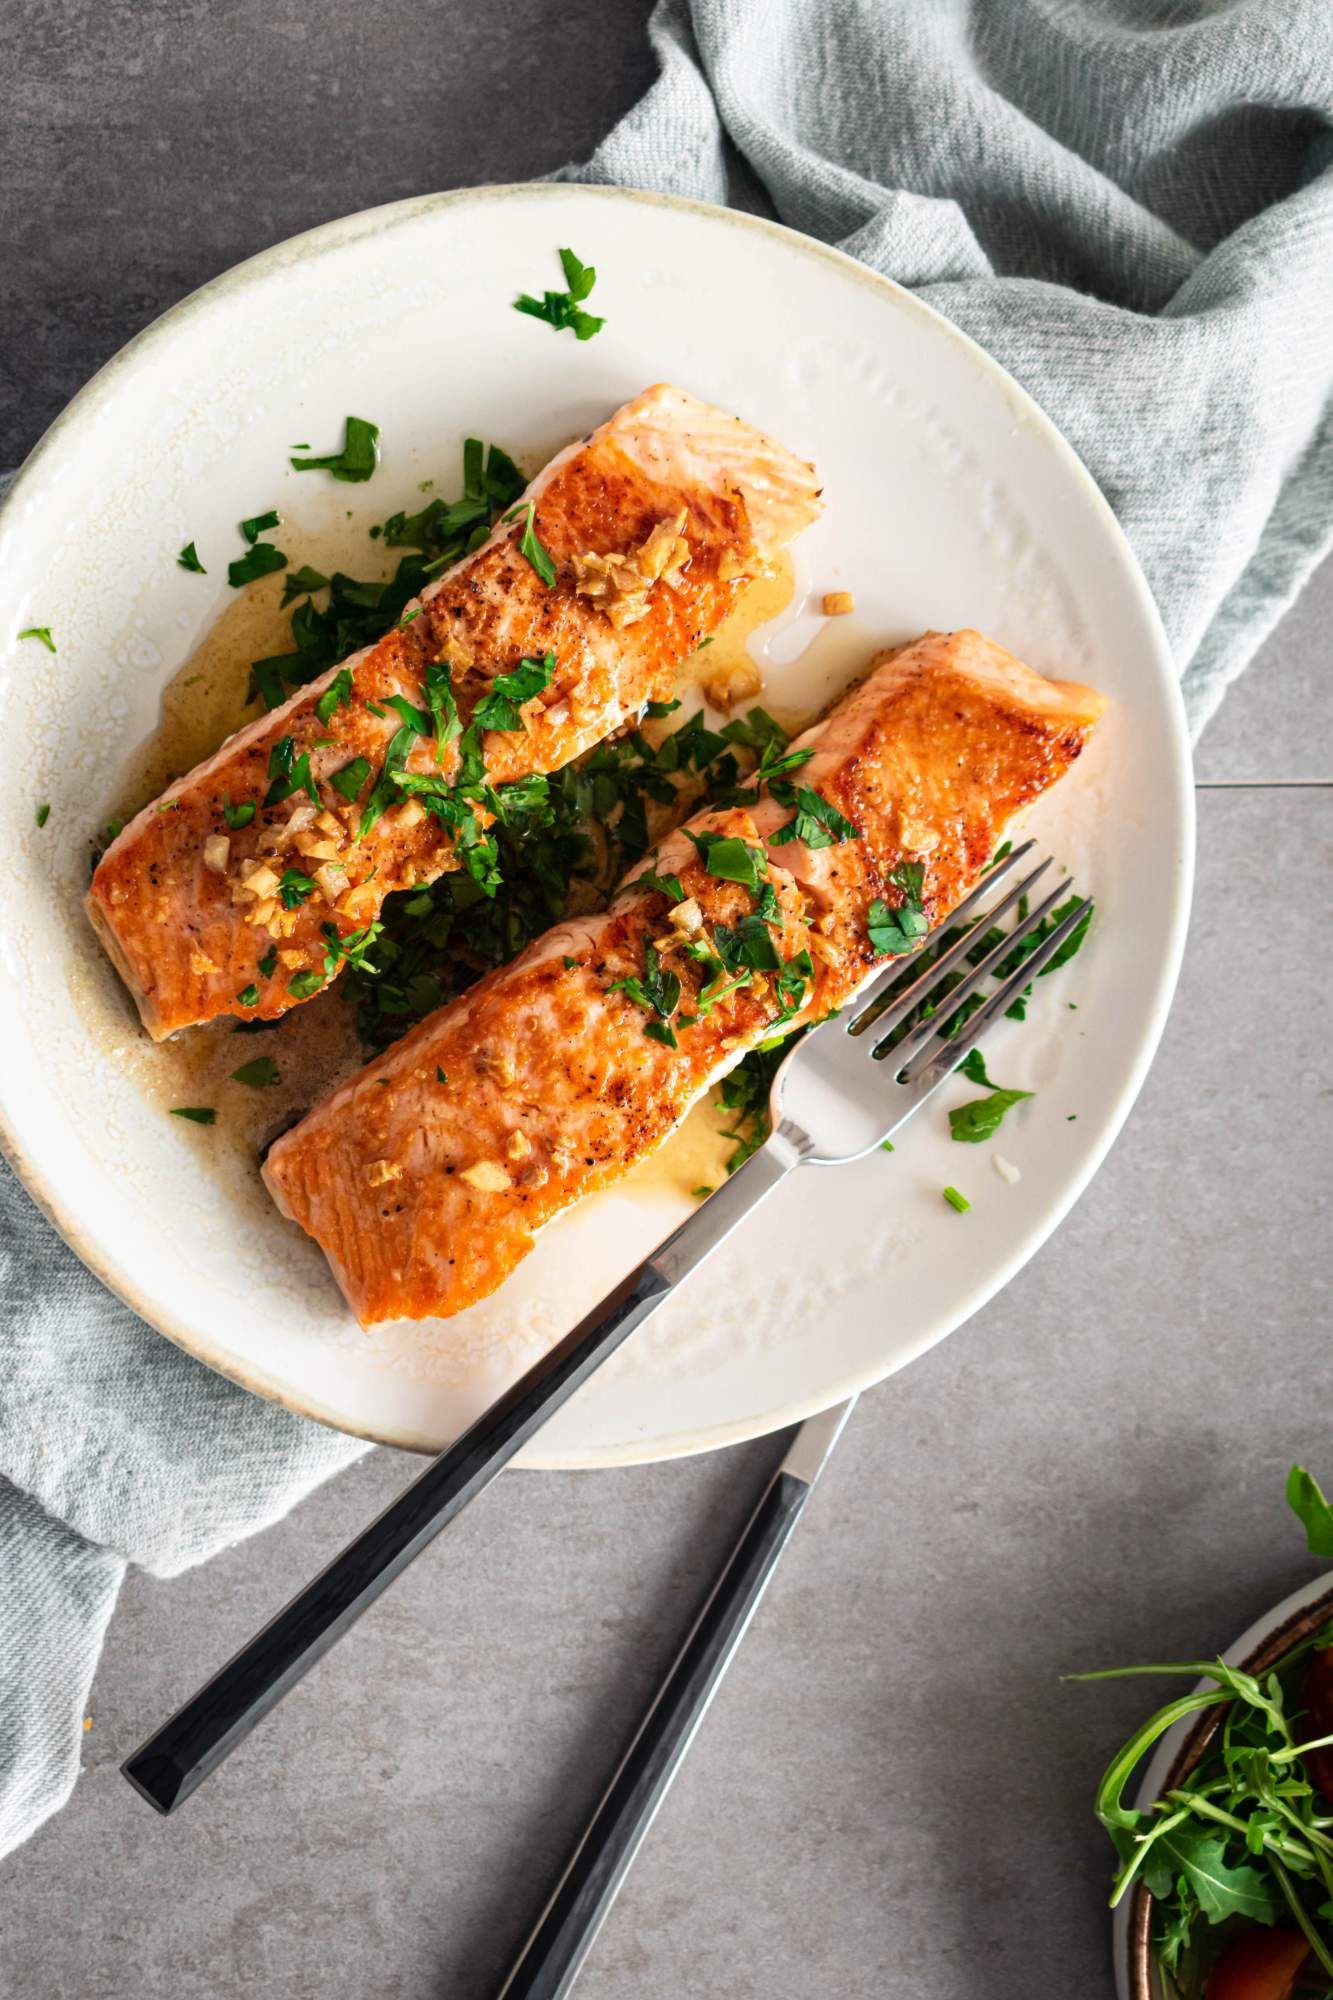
{"x":245,"y":888}
{"x":426,"y":1177}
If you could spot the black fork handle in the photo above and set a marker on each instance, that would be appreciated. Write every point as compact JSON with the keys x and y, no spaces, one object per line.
{"x":179,"y":1756}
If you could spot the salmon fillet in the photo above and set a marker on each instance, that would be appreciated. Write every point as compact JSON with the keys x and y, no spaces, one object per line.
{"x":425,"y":1178}
{"x":654,"y":524}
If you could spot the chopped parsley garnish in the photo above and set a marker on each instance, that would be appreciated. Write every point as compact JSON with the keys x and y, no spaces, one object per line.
{"x":569,"y":963}
{"x":268,"y":964}
{"x":351,"y":779}
{"x":563,"y":310}
{"x":357,"y":613}
{"x":198,"y":1114}
{"x":816,"y":822}
{"x":259,"y":524}
{"x":650,"y":883}
{"x":295,"y":888}
{"x":357,"y":459}
{"x":443,"y":706}
{"x":303,"y":984}
{"x":793,"y":979}
{"x":189,"y":559}
{"x":440,"y":1076}
{"x":528,"y":544}
{"x":257,"y":1074}
{"x":288,"y":773}
{"x":980,"y":1119}
{"x":43,"y":814}
{"x":893,"y":932}
{"x":385,"y":792}
{"x":238,"y":816}
{"x":41,"y":633}
{"x":657,"y":992}
{"x":248,"y":996}
{"x":336,"y":695}
{"x":747,"y":945}
{"x":499,"y":707}
{"x":956,"y":1200}
{"x":730,"y":859}
{"x":302,"y":582}
{"x":655,"y":710}
{"x":262,"y":560}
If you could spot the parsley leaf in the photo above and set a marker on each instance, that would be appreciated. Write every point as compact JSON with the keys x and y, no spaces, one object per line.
{"x":980,"y":1119}
{"x":302,"y":582}
{"x":351,"y":778}
{"x":337,"y":694}
{"x":528,"y":544}
{"x":562,"y":310}
{"x":42,"y":633}
{"x":499,"y":708}
{"x":198,"y":1114}
{"x":749,"y":944}
{"x":303,"y":984}
{"x":268,"y":964}
{"x":248,"y":996}
{"x":263,"y":1070}
{"x":650,"y":883}
{"x":42,"y":814}
{"x":443,"y":706}
{"x":189,"y":559}
{"x":729,"y":858}
{"x":894,"y":932}
{"x":262,"y":560}
{"x":258,"y":524}
{"x":288,"y":773}
{"x":238,"y":816}
{"x":357,"y":459}
{"x":817,"y":822}
{"x":295,"y":888}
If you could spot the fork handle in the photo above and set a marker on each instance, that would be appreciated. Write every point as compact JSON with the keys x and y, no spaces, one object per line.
{"x":169,"y":1766}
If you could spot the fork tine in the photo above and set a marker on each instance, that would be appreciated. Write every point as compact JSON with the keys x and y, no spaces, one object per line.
{"x":946,"y":1055}
{"x":884,"y":1011}
{"x":924,"y":1031}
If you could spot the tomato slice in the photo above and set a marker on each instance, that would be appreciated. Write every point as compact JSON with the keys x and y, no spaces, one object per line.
{"x":1258,"y":1965}
{"x":1317,"y":1694}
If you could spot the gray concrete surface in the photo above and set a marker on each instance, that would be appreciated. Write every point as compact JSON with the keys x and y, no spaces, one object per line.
{"x":891,"y":1795}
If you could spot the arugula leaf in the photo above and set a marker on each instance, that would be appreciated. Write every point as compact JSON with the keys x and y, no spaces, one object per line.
{"x":258,"y":524}
{"x":262,"y":560}
{"x":198,"y":1114}
{"x":337,"y":694}
{"x":357,"y":459}
{"x":562,"y":310}
{"x":817,"y":822}
{"x":499,"y":708}
{"x":1306,"y":1499}
{"x":257,"y":1074}
{"x":529,"y":545}
{"x":189,"y":559}
{"x":42,"y":633}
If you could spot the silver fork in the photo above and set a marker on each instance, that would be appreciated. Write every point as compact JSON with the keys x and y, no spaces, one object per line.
{"x":844,"y":1089}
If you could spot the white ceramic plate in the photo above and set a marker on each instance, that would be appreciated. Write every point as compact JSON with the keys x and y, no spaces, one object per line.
{"x":950,"y":501}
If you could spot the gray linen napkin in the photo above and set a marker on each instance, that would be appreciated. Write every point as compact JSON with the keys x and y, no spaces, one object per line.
{"x":1130,"y":204}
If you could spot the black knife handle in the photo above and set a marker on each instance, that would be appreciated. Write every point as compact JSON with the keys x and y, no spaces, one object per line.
{"x":550,"y":1960}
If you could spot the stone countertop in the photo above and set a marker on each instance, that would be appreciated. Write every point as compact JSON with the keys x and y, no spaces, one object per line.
{"x":891,"y":1796}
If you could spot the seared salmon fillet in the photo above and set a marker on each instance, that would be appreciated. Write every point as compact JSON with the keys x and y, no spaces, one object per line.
{"x":244,"y":888}
{"x":425,"y":1177}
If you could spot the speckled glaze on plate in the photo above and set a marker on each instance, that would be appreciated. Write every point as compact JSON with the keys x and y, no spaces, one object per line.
{"x":1258,"y":1649}
{"x":951,"y":500}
